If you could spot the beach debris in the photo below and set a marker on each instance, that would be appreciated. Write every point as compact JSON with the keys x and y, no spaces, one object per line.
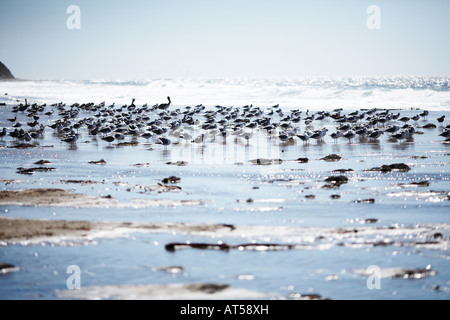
{"x":371,"y":200}
{"x":160,"y":188}
{"x":401,"y":167}
{"x":9,"y":181}
{"x":140,"y":165}
{"x":170,"y":269}
{"x":101,"y":162}
{"x":171,"y":179}
{"x":178,"y":163}
{"x":266,"y":162}
{"x":331,"y":158}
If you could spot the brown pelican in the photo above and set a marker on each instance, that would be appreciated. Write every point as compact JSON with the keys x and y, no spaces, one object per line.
{"x":165,"y":106}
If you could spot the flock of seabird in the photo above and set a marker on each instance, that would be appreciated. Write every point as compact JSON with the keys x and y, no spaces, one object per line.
{"x":160,"y":124}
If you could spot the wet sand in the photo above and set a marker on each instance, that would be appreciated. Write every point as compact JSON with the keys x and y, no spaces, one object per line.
{"x":63,"y":198}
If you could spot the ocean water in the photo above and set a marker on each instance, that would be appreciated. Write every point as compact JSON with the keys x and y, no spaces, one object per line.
{"x":403,"y":226}
{"x":404,"y":92}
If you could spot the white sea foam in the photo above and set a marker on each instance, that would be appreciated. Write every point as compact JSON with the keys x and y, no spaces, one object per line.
{"x":432,"y":93}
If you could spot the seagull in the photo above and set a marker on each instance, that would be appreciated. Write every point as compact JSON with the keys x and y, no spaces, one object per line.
{"x":336,"y":135}
{"x":71,"y":139}
{"x":424,"y":114}
{"x":375,"y":134}
{"x":349,"y":135}
{"x":164,"y":141}
{"x":304,"y":137}
{"x":109,"y":139}
{"x":401,"y":135}
{"x":147,"y":135}
{"x":392,"y":129}
{"x":165,"y":106}
{"x":445,"y":134}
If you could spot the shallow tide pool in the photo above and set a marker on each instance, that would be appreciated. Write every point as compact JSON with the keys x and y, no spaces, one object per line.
{"x":285,"y":202}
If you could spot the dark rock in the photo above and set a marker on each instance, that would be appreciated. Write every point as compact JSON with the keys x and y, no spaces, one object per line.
{"x":171,"y":179}
{"x":23,"y":146}
{"x":302,"y":160}
{"x":402,"y":167}
{"x":209,"y":288}
{"x":172,"y":247}
{"x":337,"y":179}
{"x":7,"y":268}
{"x":416,"y":184}
{"x":5,"y":73}
{"x":332,"y":158}
{"x":343,"y":170}
{"x":31,"y":171}
{"x":438,"y":235}
{"x":429,"y":126}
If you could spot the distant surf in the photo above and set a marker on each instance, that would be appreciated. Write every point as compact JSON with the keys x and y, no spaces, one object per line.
{"x":314,"y":93}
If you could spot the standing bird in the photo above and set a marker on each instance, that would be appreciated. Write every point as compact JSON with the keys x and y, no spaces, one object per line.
{"x":349,"y":135}
{"x":164,"y":141}
{"x":336,"y":135}
{"x":71,"y":139}
{"x":165,"y":106}
{"x":3,"y":134}
{"x":441,"y":119}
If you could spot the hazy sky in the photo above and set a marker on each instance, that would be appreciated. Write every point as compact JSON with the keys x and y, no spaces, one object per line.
{"x":137,"y":39}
